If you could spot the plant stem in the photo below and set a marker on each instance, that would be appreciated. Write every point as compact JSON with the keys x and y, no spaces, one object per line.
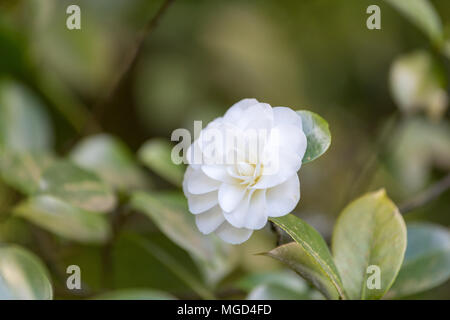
{"x":426,"y":196}
{"x":129,"y":61}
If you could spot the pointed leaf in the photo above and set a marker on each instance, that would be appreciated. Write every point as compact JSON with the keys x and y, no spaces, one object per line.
{"x":295,"y":257}
{"x":317,"y":134}
{"x":316,"y":250}
{"x":369,"y":231}
{"x":64,"y":220}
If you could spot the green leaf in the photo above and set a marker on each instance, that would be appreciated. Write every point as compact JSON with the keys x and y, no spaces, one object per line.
{"x":295,"y":257}
{"x":135,"y":294}
{"x":23,"y":170}
{"x":24,"y":125}
{"x":315,"y":252}
{"x":111,"y":160}
{"x":22,"y":275}
{"x":423,"y":15}
{"x":77,"y":187}
{"x":282,"y":286}
{"x":427,"y":260}
{"x":62,"y":219}
{"x":169,"y":212}
{"x":317,"y":134}
{"x":369,"y":231}
{"x":156,"y":154}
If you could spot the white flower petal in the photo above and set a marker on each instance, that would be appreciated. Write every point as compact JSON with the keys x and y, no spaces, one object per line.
{"x":237,"y":217}
{"x":286,"y":116}
{"x":218,"y":172}
{"x":233,"y":235}
{"x":256,"y":216}
{"x":210,"y":220}
{"x":234,"y":113}
{"x":199,"y":183}
{"x":283,"y":198}
{"x":200,"y":203}
{"x":258,"y":116}
{"x":230,"y":195}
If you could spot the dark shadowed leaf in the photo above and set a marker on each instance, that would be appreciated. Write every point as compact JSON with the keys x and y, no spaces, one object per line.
{"x":135,"y":294}
{"x":427,"y":260}
{"x":369,"y":231}
{"x":22,"y":275}
{"x":314,"y":252}
{"x":169,"y":212}
{"x":317,"y":134}
{"x":65,"y":220}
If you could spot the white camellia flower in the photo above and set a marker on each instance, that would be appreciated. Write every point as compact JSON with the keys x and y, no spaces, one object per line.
{"x":243,"y":169}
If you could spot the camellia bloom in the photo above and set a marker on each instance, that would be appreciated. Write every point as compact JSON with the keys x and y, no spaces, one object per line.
{"x":243,"y":169}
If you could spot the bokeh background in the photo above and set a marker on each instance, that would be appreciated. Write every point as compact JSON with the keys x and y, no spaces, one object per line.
{"x":200,"y":58}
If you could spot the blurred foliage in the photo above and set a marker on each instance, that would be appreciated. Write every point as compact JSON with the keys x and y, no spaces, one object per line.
{"x":84,"y":172}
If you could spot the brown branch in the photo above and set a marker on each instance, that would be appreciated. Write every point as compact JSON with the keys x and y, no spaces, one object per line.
{"x":127,"y":66}
{"x":426,"y":196}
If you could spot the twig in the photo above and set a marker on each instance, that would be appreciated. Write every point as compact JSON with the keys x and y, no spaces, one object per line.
{"x":426,"y":196}
{"x":128,"y":64}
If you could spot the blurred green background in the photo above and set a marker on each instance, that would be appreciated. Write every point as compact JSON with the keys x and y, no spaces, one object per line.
{"x":199,"y":59}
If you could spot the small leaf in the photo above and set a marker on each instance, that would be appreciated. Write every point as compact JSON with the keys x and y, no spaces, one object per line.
{"x":423,"y":15}
{"x":24,"y":125}
{"x":62,"y":219}
{"x":111,"y":160}
{"x":77,"y":187}
{"x":418,"y":82}
{"x":295,"y":257}
{"x":22,"y":275}
{"x":427,"y":260}
{"x":369,"y":231}
{"x":156,"y":154}
{"x":317,"y":134}
{"x":135,"y":294}
{"x":23,"y":170}
{"x":169,"y":212}
{"x":314,"y":251}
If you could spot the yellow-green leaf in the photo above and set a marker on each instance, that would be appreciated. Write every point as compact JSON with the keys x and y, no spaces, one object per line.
{"x":370,"y":231}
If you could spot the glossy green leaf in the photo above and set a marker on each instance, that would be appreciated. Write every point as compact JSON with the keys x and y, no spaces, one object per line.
{"x":65,"y":220}
{"x":423,"y":15}
{"x":314,"y":251}
{"x":24,"y":125}
{"x":135,"y":294}
{"x":427,"y":260}
{"x":295,"y":257}
{"x":317,"y":134}
{"x":369,"y":231}
{"x":23,"y":170}
{"x":77,"y":187}
{"x":169,"y":212}
{"x":156,"y":154}
{"x":111,"y":160}
{"x":22,"y":275}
